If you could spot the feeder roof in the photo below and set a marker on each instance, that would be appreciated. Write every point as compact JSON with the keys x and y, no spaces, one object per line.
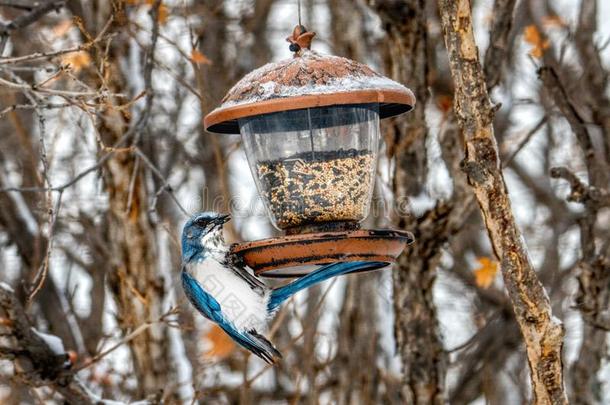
{"x":308,"y":80}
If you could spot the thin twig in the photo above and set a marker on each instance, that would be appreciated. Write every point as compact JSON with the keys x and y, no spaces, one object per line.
{"x":34,"y":15}
{"x":41,"y":276}
{"x":56,"y":92}
{"x":165,"y":186}
{"x":16,"y":107}
{"x":580,"y":192}
{"x":26,"y":5}
{"x":293,"y":341}
{"x":138,"y":331}
{"x":132,"y":184}
{"x":524,"y":141}
{"x":148,"y":69}
{"x":49,"y":55}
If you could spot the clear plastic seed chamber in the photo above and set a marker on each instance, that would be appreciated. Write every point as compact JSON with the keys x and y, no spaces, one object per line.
{"x":314,"y":166}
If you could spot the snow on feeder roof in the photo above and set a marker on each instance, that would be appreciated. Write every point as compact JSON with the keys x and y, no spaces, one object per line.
{"x":309,"y":79}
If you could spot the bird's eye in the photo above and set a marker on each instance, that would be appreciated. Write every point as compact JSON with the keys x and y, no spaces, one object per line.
{"x":201,"y":222}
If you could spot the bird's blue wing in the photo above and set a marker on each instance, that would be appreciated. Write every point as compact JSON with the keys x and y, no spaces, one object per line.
{"x":281,"y":294}
{"x":201,"y":300}
{"x":211,"y":309}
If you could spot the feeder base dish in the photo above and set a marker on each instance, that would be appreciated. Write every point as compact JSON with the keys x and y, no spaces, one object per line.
{"x":298,"y":255}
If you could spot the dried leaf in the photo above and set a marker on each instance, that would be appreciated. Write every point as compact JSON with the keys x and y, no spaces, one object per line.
{"x":532,"y":36}
{"x":163,"y":14}
{"x":221,"y":344}
{"x":444,"y":102}
{"x":198,"y":57}
{"x":77,"y":60}
{"x":485,"y":274}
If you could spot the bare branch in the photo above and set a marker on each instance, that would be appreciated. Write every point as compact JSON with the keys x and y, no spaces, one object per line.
{"x":18,"y":4}
{"x":165,"y":185}
{"x":132,"y":335}
{"x":524,"y":141}
{"x":49,"y":55}
{"x":32,"y":16}
{"x":495,"y":57}
{"x":597,"y":170}
{"x":41,"y":275}
{"x":49,"y":368}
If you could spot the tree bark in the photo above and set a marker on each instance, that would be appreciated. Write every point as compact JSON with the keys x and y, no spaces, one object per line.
{"x":416,"y":326}
{"x":134,"y":281}
{"x":542,"y":333}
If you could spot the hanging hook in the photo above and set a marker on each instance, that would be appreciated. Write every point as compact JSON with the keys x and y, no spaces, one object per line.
{"x":300,"y":38}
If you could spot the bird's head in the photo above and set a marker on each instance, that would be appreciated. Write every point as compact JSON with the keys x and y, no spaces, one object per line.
{"x":202,"y":234}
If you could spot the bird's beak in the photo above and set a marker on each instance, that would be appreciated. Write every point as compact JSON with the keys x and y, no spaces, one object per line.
{"x":222,"y":219}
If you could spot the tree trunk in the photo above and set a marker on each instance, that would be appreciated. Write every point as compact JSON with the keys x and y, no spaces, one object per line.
{"x":416,"y":325}
{"x":134,"y":281}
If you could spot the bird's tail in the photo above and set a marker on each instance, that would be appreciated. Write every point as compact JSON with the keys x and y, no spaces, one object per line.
{"x":265,"y":349}
{"x":324,"y":273}
{"x":254,"y":342}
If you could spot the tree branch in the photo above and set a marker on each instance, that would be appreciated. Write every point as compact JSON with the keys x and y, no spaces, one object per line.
{"x":40,"y":364}
{"x":18,"y":4}
{"x":424,"y":363}
{"x":597,"y":171}
{"x":543,"y":333}
{"x":499,"y":32}
{"x":32,"y":16}
{"x":26,"y":19}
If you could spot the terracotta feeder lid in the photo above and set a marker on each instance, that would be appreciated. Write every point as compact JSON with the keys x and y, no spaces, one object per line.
{"x":308,"y":80}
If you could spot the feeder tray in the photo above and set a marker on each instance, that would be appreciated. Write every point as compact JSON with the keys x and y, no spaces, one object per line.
{"x":310,"y":129}
{"x":297,"y":255}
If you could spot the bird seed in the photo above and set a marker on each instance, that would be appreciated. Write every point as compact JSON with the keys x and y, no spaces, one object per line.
{"x":316,"y":187}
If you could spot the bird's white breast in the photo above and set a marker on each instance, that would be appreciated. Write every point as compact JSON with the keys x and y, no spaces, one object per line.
{"x":245,"y":308}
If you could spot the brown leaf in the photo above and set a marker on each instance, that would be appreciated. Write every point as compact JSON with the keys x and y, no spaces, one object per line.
{"x":221,"y":345}
{"x":200,"y":58}
{"x":163,"y":14}
{"x":444,"y":102}
{"x":77,"y":60}
{"x":485,"y":274}
{"x":532,"y":36}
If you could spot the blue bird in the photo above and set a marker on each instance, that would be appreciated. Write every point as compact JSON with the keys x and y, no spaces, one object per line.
{"x":229,"y":294}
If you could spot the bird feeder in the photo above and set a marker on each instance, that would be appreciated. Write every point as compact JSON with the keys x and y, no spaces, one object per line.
{"x":310,"y":129}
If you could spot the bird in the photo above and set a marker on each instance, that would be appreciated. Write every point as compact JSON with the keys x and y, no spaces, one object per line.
{"x":228,"y":293}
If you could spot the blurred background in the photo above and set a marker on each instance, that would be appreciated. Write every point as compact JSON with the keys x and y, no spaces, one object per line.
{"x":103,"y":155}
